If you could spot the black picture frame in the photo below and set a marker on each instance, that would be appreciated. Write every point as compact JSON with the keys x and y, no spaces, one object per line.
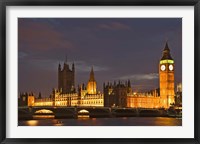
{"x":5,"y":3}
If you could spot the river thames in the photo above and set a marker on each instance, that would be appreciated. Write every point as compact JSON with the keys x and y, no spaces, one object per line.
{"x":122,"y":121}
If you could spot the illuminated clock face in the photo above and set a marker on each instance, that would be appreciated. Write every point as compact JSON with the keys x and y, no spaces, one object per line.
{"x":162,"y":67}
{"x":171,"y":67}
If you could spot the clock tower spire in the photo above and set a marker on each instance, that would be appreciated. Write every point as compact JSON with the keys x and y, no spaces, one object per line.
{"x":166,"y":77}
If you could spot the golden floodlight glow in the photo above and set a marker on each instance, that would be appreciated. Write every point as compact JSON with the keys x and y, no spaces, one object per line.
{"x":166,"y":61}
{"x":32,"y":122}
{"x":43,"y":111}
{"x":83,"y":111}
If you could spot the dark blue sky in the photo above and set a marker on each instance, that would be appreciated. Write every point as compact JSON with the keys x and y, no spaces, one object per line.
{"x":117,"y":48}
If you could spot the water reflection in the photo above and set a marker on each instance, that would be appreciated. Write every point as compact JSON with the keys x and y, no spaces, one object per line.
{"x":32,"y":122}
{"x":58,"y":123}
{"x":83,"y":116}
{"x":43,"y":116}
{"x":123,"y":121}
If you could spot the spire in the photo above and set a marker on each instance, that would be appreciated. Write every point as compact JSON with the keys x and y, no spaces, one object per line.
{"x":92,"y":75}
{"x":91,"y":86}
{"x":166,"y":53}
{"x":59,"y":66}
{"x":166,"y":47}
{"x":129,"y":83}
{"x":104,"y":85}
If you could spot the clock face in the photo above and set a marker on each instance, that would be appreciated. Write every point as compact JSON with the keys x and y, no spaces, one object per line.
{"x":162,"y":67}
{"x":171,"y":67}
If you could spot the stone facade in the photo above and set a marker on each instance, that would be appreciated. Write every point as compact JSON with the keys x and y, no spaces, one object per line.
{"x":66,"y":78}
{"x":114,"y":94}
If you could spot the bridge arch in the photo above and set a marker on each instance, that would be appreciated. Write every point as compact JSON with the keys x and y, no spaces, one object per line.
{"x":83,"y":113}
{"x":44,"y":111}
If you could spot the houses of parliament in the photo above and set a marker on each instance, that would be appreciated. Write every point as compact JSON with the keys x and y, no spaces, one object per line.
{"x":116,"y":94}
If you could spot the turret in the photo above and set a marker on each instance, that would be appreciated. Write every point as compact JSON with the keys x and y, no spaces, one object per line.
{"x":91,"y":86}
{"x":129,"y":83}
{"x":40,"y":96}
{"x":73,"y":67}
{"x":129,"y":87}
{"x":59,"y":67}
{"x":104,"y":85}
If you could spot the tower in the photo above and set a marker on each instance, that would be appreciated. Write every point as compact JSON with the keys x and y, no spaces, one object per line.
{"x":166,"y":77}
{"x":116,"y":94}
{"x":66,"y":78}
{"x":129,"y":87}
{"x":92,"y":85}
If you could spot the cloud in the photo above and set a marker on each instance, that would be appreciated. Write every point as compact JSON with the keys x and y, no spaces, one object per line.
{"x":82,"y":66}
{"x":114,"y":26}
{"x":40,"y":36}
{"x":149,"y":76}
{"x":45,"y":64}
{"x":52,"y":64}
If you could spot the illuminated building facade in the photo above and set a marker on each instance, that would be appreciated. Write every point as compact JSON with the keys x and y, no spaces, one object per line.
{"x":26,"y":99}
{"x":166,"y":77}
{"x":114,"y":95}
{"x":84,"y":97}
{"x":178,"y":97}
{"x":92,"y":84}
{"x":121,"y":95}
{"x":75,"y":99}
{"x":43,"y":102}
{"x":144,"y":100}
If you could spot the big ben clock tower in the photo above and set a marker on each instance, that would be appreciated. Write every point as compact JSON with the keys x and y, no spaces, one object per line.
{"x":166,"y":76}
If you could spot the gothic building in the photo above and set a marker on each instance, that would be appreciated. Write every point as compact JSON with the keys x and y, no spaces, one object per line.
{"x":166,"y":77}
{"x":116,"y":94}
{"x":85,"y":96}
{"x":121,"y":95}
{"x":26,"y":99}
{"x":178,"y":97}
{"x":66,"y":78}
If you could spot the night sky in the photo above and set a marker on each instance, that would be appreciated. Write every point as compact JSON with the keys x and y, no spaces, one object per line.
{"x":117,"y":48}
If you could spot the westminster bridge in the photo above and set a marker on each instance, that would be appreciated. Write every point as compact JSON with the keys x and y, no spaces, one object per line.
{"x":75,"y":112}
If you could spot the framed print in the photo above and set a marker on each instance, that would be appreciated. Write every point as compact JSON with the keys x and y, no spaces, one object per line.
{"x":99,"y":72}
